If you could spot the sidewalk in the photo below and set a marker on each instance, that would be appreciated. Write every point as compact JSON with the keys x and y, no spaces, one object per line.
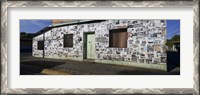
{"x":84,"y":68}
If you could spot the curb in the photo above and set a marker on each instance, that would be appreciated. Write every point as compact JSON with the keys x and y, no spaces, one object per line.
{"x":54,"y":72}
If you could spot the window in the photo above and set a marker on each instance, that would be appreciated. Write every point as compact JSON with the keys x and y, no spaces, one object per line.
{"x":118,"y":38}
{"x":68,"y":40}
{"x":40,"y":45}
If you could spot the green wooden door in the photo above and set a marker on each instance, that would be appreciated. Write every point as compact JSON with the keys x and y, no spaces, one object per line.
{"x":90,"y":46}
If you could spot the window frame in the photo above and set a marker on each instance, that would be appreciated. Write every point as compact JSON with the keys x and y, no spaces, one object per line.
{"x":38,"y":45}
{"x":111,"y":32}
{"x":68,"y":44}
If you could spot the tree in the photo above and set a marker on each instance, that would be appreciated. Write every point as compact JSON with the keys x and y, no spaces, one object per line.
{"x":176,"y":38}
{"x":26,"y":35}
{"x":171,"y":41}
{"x":23,"y":33}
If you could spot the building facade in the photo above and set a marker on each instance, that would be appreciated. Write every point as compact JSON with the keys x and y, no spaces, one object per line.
{"x":124,"y":42}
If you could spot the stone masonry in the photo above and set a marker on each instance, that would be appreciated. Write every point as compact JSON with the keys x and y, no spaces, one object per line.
{"x":145,"y":44}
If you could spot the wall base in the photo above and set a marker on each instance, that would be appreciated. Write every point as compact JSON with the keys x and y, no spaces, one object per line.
{"x":66,"y":58}
{"x":158,"y":66}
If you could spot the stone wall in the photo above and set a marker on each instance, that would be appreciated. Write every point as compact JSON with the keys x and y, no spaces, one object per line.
{"x":36,"y":52}
{"x":145,"y":44}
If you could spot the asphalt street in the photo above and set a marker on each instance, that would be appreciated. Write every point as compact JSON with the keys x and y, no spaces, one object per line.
{"x":30,"y":65}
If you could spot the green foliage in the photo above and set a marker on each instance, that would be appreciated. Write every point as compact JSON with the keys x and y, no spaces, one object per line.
{"x":176,"y":38}
{"x":26,"y":35}
{"x":170,"y":42}
{"x":23,"y":33}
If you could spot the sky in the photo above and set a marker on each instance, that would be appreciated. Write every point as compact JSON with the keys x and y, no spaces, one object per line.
{"x":173,"y":28}
{"x":33,"y":26}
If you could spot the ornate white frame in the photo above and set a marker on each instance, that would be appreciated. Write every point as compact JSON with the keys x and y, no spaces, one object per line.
{"x":4,"y":79}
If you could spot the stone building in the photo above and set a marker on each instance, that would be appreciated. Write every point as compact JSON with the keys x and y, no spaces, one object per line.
{"x":124,"y":42}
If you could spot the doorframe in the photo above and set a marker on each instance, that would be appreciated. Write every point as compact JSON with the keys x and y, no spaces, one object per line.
{"x":85,"y":43}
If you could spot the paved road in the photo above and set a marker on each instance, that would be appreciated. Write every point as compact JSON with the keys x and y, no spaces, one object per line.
{"x":31,"y":65}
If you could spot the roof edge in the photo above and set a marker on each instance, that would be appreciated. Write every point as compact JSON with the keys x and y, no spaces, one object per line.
{"x":45,"y":29}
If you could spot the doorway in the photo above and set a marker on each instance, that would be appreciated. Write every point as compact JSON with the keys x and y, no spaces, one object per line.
{"x":89,"y":45}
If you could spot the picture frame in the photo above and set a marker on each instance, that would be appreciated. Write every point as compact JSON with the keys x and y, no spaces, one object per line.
{"x":5,"y":5}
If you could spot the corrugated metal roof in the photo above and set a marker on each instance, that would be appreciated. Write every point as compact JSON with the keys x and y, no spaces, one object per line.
{"x":71,"y":22}
{"x":57,"y":21}
{"x":66,"y":24}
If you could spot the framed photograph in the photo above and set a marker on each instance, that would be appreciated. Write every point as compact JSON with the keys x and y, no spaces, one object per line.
{"x":100,"y":47}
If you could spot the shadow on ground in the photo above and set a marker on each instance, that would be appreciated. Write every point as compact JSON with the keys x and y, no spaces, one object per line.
{"x":35,"y":67}
{"x":150,"y":72}
{"x":30,"y":65}
{"x":173,"y":60}
{"x":129,"y":72}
